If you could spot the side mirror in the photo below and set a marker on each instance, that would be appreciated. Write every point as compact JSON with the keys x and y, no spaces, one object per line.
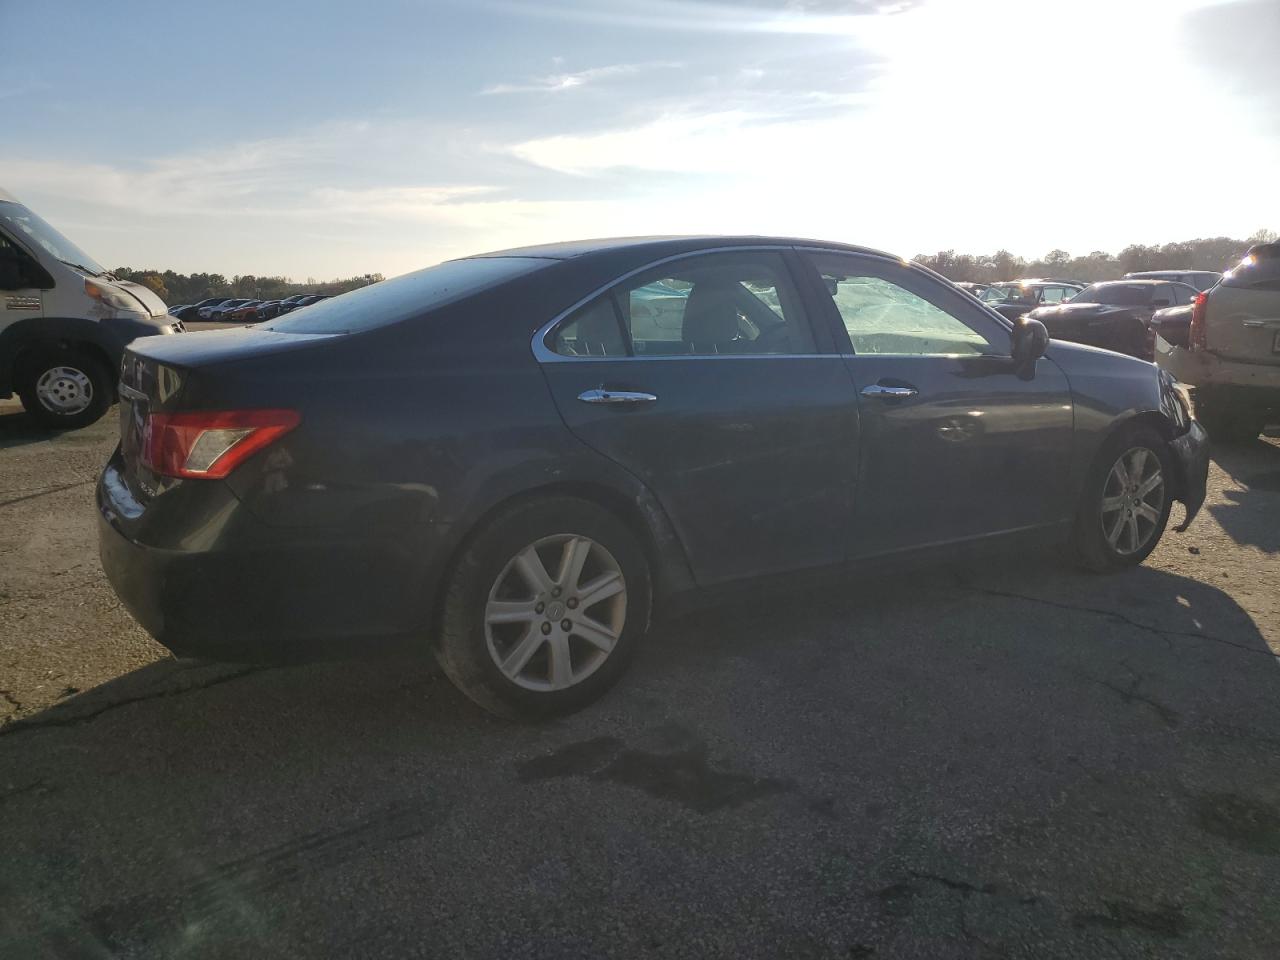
{"x":1028,"y":342}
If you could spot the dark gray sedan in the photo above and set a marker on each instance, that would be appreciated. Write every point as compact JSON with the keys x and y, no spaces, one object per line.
{"x":511,"y":459}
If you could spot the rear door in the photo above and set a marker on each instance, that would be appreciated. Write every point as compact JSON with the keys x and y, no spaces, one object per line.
{"x":704,"y":378}
{"x":1242,"y":313}
{"x":955,"y":442}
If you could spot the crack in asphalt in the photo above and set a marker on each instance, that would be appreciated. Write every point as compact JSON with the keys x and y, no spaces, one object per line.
{"x":1130,"y":694}
{"x":44,"y":492}
{"x":1102,"y":611}
{"x":75,"y":720}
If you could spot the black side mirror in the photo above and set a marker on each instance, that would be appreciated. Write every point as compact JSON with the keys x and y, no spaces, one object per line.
{"x":1027,"y":342}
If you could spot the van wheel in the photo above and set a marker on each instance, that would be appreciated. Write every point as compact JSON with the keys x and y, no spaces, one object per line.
{"x":1126,"y":502}
{"x":64,"y":389}
{"x":544,"y":608}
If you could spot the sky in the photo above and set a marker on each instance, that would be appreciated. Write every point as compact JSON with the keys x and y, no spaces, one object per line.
{"x":324,"y":139}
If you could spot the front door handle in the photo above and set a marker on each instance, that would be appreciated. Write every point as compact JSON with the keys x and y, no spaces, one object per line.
{"x":601,"y":395}
{"x":882,"y":392}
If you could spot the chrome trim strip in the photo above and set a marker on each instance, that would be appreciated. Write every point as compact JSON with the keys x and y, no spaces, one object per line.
{"x":129,"y":393}
{"x":547,"y":356}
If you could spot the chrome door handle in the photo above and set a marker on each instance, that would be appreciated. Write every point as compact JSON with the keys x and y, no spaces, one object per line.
{"x":600,"y":395}
{"x":888,"y":393}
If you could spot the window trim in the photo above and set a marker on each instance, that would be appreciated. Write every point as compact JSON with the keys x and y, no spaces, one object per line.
{"x":844,"y":343}
{"x":545,"y":354}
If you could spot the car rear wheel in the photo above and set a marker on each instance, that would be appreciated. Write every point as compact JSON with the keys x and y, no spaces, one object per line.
{"x":544,"y":608}
{"x":64,"y":389}
{"x":1126,"y":502}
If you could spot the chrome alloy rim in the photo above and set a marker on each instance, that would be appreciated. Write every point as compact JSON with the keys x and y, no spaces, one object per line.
{"x":555,"y":613}
{"x":1132,"y":500}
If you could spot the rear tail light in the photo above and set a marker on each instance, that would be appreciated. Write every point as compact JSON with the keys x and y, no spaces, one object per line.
{"x":1197,"y":337}
{"x":210,"y":444}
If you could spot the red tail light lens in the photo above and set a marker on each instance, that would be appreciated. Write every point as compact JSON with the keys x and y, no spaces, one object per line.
{"x":1197,"y":337}
{"x":210,"y":444}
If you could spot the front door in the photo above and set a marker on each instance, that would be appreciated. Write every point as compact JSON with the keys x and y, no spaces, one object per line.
{"x":20,"y":299}
{"x":955,"y":443}
{"x":703,"y":378}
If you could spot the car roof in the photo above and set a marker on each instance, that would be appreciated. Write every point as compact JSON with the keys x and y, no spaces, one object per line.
{"x":654,"y":248}
{"x":1132,"y":281}
{"x":1140,"y":274}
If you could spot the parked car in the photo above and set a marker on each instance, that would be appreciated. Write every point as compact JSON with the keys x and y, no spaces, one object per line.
{"x":206,"y":311}
{"x":219,"y":313}
{"x":1015,"y":298}
{"x":971,"y":287}
{"x":302,"y":302}
{"x":64,"y":321}
{"x":1172,"y":324}
{"x":273,"y":308}
{"x":1232,"y":354}
{"x":245,"y":313}
{"x":185,"y":312}
{"x":1114,"y":314}
{"x":519,"y":469}
{"x":1200,"y":279}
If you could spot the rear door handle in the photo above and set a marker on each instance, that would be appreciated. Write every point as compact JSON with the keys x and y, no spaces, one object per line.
{"x":888,"y":393}
{"x":601,"y":395}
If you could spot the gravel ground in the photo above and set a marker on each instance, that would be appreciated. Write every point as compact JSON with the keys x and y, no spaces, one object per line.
{"x":1008,"y":760}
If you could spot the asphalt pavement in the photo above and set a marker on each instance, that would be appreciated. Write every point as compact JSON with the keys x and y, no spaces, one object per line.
{"x":997,"y":759}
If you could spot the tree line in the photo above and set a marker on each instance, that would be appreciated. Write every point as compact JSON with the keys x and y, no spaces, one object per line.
{"x":1215,"y":253}
{"x":175,"y":288}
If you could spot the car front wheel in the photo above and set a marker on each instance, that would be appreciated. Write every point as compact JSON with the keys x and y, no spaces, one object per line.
{"x":65,"y":389}
{"x":1126,"y":502}
{"x":544,"y":608}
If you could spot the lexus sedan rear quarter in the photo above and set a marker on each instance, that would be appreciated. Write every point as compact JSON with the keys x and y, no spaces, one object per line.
{"x":510,"y":459}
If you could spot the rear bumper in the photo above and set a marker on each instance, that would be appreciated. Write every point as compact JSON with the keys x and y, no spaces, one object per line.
{"x":1191,"y":450}
{"x":254,"y":593}
{"x":1200,"y":368}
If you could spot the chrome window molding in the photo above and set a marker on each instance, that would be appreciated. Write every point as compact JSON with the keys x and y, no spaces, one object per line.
{"x":545,"y":354}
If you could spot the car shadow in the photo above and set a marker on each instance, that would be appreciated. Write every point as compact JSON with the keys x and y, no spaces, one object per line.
{"x":1251,"y":513}
{"x":854,"y":740}
{"x":18,"y":429}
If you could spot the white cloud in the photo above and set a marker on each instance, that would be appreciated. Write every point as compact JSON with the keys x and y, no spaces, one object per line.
{"x":569,"y":81}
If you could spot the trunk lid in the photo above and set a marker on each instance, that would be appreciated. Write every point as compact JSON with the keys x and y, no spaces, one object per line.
{"x":158,"y":372}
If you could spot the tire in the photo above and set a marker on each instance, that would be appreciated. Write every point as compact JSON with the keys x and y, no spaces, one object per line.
{"x":489,"y":572}
{"x":1099,"y":545}
{"x":65,"y":388}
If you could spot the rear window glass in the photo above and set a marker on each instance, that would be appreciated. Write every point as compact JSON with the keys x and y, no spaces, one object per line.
{"x":399,"y":299}
{"x":1116,"y":294}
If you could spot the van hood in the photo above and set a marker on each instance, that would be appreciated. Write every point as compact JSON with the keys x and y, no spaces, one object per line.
{"x":155,"y":306}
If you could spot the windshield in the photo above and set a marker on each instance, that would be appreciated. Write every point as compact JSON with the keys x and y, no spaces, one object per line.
{"x":1115,"y":294}
{"x":399,"y":299}
{"x":22,"y":222}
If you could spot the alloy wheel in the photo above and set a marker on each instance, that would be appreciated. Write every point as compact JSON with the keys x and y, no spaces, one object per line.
{"x":555,"y":612}
{"x":1133,"y":501}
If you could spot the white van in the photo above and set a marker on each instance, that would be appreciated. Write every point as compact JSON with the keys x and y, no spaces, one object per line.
{"x":64,"y":321}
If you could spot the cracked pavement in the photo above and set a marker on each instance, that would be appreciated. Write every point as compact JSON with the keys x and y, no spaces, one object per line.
{"x":995,"y":759}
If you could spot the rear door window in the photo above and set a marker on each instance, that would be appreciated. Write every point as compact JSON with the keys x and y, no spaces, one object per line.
{"x":722,"y":304}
